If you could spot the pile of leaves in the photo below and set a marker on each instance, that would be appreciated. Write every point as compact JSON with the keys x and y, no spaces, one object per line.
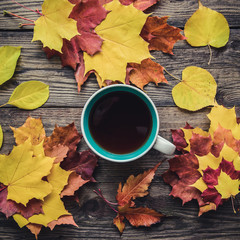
{"x":209,"y":168}
{"x":111,"y":39}
{"x":39,"y":172}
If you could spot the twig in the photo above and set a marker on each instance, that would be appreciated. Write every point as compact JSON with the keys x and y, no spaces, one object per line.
{"x":15,"y":15}
{"x":104,"y":199}
{"x":172,"y":75}
{"x":210,"y":58}
{"x":36,"y":11}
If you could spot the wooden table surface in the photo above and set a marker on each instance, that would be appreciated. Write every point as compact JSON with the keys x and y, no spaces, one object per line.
{"x":65,"y":104}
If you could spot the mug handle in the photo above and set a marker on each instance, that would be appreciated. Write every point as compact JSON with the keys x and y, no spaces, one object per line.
{"x":164,"y":146}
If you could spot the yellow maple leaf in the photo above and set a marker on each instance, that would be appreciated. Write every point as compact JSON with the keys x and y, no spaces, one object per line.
{"x":122,"y":43}
{"x":207,"y":27}
{"x":227,"y":186}
{"x":226,"y":118}
{"x":54,"y":24}
{"x":22,"y":173}
{"x":32,"y":128}
{"x":196,"y":90}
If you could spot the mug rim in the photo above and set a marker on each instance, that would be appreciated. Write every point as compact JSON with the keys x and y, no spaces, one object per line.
{"x":120,"y":158}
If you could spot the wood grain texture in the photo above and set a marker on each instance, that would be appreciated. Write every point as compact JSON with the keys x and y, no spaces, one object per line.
{"x":178,"y":11}
{"x":65,"y":106}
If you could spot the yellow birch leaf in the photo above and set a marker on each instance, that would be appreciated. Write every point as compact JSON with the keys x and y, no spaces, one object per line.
{"x":226,"y":118}
{"x":22,"y":174}
{"x":29,"y":95}
{"x":20,"y":220}
{"x":8,"y":61}
{"x":54,"y":24}
{"x":208,"y":160}
{"x":32,"y":128}
{"x":122,"y":43}
{"x":196,"y":90}
{"x":1,"y":136}
{"x":207,"y":27}
{"x":227,"y":187}
{"x":53,"y":208}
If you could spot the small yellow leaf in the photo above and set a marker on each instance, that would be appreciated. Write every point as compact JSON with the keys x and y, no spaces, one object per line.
{"x":1,"y":136}
{"x":207,"y":27}
{"x":22,"y":174}
{"x":208,"y":160}
{"x":8,"y":61}
{"x":32,"y":128}
{"x":58,"y":178}
{"x":29,"y":95}
{"x":53,"y":208}
{"x":226,"y":118}
{"x":188,"y":135}
{"x":54,"y":24}
{"x":196,"y":90}
{"x":227,"y":187}
{"x":200,"y":185}
{"x":20,"y":220}
{"x":122,"y":43}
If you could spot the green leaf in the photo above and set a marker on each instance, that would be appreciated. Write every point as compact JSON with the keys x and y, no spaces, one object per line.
{"x":8,"y":61}
{"x":29,"y":95}
{"x":1,"y":136}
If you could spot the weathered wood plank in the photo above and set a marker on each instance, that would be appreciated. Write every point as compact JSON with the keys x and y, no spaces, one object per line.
{"x":179,"y":11}
{"x":33,"y":65}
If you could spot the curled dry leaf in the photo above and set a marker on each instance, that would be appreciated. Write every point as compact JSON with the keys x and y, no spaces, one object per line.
{"x":160,"y":35}
{"x":144,"y":73}
{"x":209,"y":169}
{"x":8,"y":61}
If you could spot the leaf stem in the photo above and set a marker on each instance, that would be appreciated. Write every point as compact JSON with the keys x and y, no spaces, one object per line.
{"x":4,"y":187}
{"x":172,"y":75}
{"x":105,"y":200}
{"x":15,"y":15}
{"x":233,"y":207}
{"x":4,"y":105}
{"x":26,"y":24}
{"x":36,"y":11}
{"x":210,"y":58}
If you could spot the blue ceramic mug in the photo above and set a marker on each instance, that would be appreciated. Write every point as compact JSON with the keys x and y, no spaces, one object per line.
{"x":152,"y":140}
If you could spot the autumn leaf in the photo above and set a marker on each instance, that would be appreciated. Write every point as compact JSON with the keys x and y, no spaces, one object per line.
{"x":1,"y":136}
{"x":209,"y":169}
{"x":135,"y":186}
{"x":207,"y":27}
{"x":8,"y":61}
{"x":148,"y":71}
{"x":65,"y":219}
{"x":160,"y":35}
{"x":122,"y":43}
{"x":55,"y":24}
{"x":196,"y":90}
{"x":82,"y":163}
{"x":65,"y":136}
{"x":29,"y":95}
{"x":140,"y":216}
{"x":22,"y":174}
{"x":32,"y":128}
